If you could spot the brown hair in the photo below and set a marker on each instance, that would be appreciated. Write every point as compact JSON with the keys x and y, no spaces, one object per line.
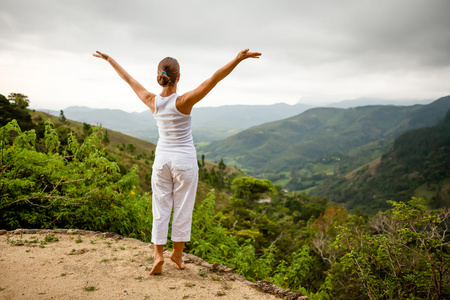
{"x":168,"y":71}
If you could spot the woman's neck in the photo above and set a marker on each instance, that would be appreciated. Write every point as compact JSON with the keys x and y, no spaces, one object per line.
{"x":169,"y":90}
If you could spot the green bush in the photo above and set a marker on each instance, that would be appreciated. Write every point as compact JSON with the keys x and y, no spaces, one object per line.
{"x":79,"y":188}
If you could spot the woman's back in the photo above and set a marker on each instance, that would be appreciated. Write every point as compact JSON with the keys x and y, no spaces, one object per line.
{"x":174,"y":127}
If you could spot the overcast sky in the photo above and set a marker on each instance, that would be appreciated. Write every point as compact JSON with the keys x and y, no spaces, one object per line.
{"x":313,"y":51}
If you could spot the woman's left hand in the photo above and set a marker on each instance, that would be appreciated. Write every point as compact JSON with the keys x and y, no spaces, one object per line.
{"x":244,"y":54}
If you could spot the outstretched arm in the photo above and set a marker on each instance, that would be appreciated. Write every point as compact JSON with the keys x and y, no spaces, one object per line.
{"x":189,"y":99}
{"x":146,"y":97}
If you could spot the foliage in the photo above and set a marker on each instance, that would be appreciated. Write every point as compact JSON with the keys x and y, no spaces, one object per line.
{"x":212,"y":242}
{"x":77,"y":188}
{"x":418,"y":158}
{"x":407,"y":255}
{"x":292,"y":275}
{"x":9,"y":111}
{"x":218,"y":179}
{"x":251,"y":189}
{"x":62,"y":117}
{"x":20,"y":100}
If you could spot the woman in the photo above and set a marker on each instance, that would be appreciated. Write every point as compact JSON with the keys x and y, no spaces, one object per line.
{"x":175,"y":170}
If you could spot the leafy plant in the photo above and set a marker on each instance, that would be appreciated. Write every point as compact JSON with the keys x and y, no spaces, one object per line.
{"x":77,"y":188}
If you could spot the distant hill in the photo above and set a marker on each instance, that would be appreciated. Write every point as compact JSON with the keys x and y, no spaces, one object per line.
{"x":208,"y":123}
{"x":417,"y":165}
{"x":365,"y":101}
{"x":341,"y":137}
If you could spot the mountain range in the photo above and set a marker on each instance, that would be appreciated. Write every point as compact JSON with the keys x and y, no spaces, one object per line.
{"x":208,"y":123}
{"x":319,"y":132}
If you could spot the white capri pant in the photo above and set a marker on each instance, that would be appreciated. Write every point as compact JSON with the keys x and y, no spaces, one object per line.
{"x":174,"y":185}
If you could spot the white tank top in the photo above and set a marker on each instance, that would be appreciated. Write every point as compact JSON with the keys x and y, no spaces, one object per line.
{"x":174,"y":128}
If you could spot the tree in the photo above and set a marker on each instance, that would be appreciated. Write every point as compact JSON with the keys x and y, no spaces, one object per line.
{"x":9,"y":111}
{"x":131,"y":148}
{"x":106,"y":140}
{"x":19,"y":99}
{"x":62,"y":118}
{"x":251,"y":189}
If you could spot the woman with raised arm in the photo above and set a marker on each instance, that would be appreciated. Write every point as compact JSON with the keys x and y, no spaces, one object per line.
{"x":175,"y":170}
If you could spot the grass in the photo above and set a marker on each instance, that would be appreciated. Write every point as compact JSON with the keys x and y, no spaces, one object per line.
{"x":90,"y":288}
{"x":202,"y":273}
{"x":50,"y":238}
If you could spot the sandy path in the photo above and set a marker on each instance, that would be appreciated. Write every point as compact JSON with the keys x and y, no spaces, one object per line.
{"x":88,"y":265}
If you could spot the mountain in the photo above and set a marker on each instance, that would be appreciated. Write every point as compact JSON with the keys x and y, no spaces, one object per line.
{"x":208,"y":123}
{"x":417,"y":165}
{"x":139,"y":125}
{"x":365,"y":101}
{"x":216,"y":123}
{"x":334,"y":135}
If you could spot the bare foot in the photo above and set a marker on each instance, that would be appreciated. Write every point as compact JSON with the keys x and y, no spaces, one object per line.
{"x":178,"y":260}
{"x":157,"y":267}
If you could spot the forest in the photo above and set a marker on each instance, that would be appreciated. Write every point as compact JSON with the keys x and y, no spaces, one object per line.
{"x":417,"y":164}
{"x":58,"y":177}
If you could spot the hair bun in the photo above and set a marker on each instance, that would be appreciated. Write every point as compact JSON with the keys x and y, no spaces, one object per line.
{"x":163,"y":79}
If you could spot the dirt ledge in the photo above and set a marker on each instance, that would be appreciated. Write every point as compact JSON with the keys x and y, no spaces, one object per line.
{"x":81,"y":264}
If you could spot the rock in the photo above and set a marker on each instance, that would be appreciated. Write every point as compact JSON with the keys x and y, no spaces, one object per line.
{"x":18,"y":231}
{"x":216,"y":267}
{"x":112,"y":235}
{"x":192,"y":259}
{"x":3,"y":231}
{"x":273,"y":289}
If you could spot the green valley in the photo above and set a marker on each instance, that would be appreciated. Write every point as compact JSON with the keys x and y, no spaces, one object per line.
{"x":302,"y":151}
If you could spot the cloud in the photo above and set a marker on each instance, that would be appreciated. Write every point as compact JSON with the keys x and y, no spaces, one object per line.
{"x":340,"y":49}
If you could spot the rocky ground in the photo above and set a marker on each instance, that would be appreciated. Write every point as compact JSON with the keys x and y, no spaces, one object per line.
{"x":78,"y":264}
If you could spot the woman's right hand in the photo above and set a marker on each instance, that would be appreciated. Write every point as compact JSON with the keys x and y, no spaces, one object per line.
{"x":101,"y":55}
{"x":244,"y":54}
